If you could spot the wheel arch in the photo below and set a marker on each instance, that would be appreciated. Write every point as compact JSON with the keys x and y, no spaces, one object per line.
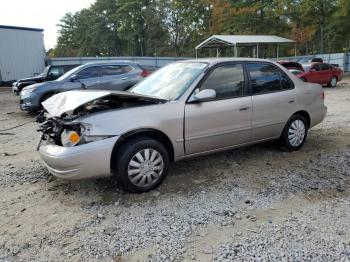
{"x":306,"y":115}
{"x":147,"y":133}
{"x":49,"y":93}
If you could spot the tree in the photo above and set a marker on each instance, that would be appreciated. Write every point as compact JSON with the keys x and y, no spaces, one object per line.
{"x":184,"y":21}
{"x":175,"y":27}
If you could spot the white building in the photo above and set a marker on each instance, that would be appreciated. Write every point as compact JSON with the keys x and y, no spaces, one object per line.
{"x":22,"y":52}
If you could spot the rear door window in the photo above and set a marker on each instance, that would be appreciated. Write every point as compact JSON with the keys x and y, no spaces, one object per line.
{"x":267,"y":78}
{"x":112,"y":70}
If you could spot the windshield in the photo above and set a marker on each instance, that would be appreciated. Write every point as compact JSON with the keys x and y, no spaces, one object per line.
{"x":69,"y":73}
{"x":171,"y":81}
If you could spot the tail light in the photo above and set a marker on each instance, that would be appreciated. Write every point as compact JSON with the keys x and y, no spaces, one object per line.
{"x":145,"y":73}
{"x":322,"y":95}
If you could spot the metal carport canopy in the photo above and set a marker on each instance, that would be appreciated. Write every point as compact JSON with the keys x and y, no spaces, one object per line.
{"x":217,"y":41}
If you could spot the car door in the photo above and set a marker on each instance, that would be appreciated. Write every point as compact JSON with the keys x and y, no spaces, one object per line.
{"x":115,"y":77}
{"x":88,"y":78}
{"x":273,"y":99}
{"x":225,"y":121}
{"x":326,"y":73}
{"x":314,"y":75}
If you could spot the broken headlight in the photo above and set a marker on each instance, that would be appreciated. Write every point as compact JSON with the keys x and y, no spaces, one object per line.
{"x":68,"y":134}
{"x":70,"y":138}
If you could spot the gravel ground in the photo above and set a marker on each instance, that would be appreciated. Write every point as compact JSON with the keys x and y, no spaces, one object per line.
{"x":257,"y":203}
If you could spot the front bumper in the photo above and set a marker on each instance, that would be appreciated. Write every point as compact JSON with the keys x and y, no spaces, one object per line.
{"x":27,"y":106}
{"x":79,"y":162}
{"x":27,"y":101}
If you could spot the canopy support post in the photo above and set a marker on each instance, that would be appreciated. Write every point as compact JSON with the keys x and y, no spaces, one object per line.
{"x":295,"y":49}
{"x":196,"y":53}
{"x":257,"y":50}
{"x":217,"y":52}
{"x":278,"y":50}
{"x":235,"y":48}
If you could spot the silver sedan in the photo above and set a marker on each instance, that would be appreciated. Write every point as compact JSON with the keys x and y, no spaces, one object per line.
{"x":183,"y":110}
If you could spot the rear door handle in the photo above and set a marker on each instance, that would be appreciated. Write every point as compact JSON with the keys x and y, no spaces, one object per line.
{"x":124,"y":78}
{"x":291,"y":101}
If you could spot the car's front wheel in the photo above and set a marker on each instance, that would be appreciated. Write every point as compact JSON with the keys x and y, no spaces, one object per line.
{"x":294,"y":133}
{"x":141,"y":164}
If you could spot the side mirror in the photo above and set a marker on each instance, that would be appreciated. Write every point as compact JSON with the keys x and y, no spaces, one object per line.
{"x":202,"y":96}
{"x":73,"y":78}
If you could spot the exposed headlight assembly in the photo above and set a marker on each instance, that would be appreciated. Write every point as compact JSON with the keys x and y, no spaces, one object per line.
{"x":70,"y":138}
{"x":68,"y":134}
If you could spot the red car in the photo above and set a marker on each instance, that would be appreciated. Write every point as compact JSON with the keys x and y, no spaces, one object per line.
{"x":321,"y":73}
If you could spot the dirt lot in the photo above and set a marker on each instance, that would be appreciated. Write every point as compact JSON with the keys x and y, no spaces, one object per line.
{"x":257,"y":203}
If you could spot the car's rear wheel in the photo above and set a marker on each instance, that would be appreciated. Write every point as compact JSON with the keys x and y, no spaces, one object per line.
{"x":141,"y":164}
{"x":295,"y":133}
{"x":333,"y":82}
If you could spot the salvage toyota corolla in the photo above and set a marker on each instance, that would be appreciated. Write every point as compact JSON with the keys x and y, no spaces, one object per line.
{"x":185,"y":109}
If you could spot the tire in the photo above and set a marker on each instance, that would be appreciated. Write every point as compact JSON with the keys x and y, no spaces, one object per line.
{"x":298,"y":125}
{"x":333,"y":82}
{"x":128,"y":166}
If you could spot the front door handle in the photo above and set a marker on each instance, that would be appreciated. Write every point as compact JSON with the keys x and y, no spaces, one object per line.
{"x":291,"y":101}
{"x":124,"y":78}
{"x":244,"y":108}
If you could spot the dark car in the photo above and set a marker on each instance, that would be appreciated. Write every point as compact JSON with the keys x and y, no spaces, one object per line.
{"x":321,"y":73}
{"x":51,"y":72}
{"x":120,"y":75}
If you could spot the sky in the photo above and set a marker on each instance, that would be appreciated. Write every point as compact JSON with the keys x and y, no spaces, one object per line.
{"x":44,"y":14}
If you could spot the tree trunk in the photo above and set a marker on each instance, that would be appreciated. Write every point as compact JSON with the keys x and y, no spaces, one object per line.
{"x":321,"y":39}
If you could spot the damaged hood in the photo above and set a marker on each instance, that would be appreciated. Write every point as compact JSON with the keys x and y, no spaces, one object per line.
{"x":67,"y":102}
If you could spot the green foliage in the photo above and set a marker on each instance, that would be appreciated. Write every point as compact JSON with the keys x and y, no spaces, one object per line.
{"x":174,"y":27}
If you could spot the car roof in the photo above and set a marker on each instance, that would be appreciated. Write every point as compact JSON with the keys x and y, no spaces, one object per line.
{"x":221,"y":60}
{"x":110,"y":62}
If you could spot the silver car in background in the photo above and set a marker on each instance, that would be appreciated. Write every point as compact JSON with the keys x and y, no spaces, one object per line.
{"x":183,"y":110}
{"x":118,"y":75}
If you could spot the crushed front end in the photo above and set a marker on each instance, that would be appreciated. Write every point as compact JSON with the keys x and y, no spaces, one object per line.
{"x":69,"y":154}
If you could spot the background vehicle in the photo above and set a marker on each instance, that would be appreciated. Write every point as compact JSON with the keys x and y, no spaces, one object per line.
{"x":321,"y":73}
{"x":51,"y":72}
{"x":183,"y":110}
{"x":99,"y":75}
{"x":307,"y":60}
{"x":293,"y":67}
